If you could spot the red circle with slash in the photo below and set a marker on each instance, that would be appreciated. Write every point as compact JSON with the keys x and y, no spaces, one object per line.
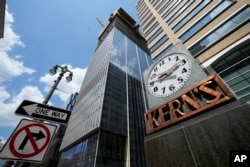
{"x":37,"y":150}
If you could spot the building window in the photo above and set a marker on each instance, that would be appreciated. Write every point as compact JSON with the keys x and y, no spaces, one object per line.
{"x":149,"y":16}
{"x":155,"y":35}
{"x":159,"y":43}
{"x":173,"y":17}
{"x":151,"y":28}
{"x":143,"y":11}
{"x":83,"y":153}
{"x":163,"y":53}
{"x":164,"y":7}
{"x":148,"y":23}
{"x":160,"y":4}
{"x":206,"y":19}
{"x":171,"y":9}
{"x":234,"y":69}
{"x":155,"y":3}
{"x":232,"y":23}
{"x":190,"y":15}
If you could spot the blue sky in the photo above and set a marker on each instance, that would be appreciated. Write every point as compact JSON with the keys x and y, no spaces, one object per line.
{"x":40,"y":34}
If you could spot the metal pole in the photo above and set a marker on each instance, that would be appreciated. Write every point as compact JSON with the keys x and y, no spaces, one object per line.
{"x":53,"y":88}
{"x":21,"y":163}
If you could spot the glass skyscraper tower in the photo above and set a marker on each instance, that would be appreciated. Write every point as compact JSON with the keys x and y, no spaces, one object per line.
{"x":106,"y":127}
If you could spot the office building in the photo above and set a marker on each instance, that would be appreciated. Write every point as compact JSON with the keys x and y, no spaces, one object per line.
{"x":215,"y":32}
{"x":106,"y":126}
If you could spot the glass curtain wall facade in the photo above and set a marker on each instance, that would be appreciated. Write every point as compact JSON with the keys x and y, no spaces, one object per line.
{"x":106,"y":127}
{"x":215,"y":32}
{"x":234,"y":68}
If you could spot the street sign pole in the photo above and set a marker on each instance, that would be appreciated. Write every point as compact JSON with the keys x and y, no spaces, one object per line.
{"x":39,"y":113}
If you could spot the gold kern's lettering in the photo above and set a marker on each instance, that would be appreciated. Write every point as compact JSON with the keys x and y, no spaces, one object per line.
{"x":210,"y":91}
{"x":204,"y":95}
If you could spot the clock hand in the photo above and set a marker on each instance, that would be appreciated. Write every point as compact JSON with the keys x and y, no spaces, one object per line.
{"x":168,"y":72}
{"x":164,"y":74}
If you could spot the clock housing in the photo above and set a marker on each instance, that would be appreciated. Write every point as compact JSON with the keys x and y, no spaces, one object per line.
{"x":193,"y":76}
{"x":169,"y":74}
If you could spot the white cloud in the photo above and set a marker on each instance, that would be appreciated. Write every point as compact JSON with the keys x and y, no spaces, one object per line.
{"x":64,"y":88}
{"x":10,"y":37}
{"x":29,"y":93}
{"x":2,"y":140}
{"x":7,"y":115}
{"x":10,"y":67}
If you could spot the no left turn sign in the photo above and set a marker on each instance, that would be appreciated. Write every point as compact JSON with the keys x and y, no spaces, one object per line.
{"x":29,"y":141}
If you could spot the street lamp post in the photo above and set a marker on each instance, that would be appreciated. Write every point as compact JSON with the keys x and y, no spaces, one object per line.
{"x":52,"y":71}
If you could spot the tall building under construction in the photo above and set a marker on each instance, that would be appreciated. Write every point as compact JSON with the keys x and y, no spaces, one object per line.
{"x":106,"y":126}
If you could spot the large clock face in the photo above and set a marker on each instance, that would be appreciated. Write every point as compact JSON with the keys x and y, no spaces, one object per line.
{"x":169,"y":75}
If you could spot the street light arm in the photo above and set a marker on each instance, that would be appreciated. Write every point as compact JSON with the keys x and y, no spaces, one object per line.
{"x":53,"y":88}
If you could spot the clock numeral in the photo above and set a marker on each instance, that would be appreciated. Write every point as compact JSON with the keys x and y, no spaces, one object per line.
{"x":171,"y":87}
{"x":155,"y":89}
{"x":155,"y":69}
{"x":180,"y":80}
{"x":151,"y":83}
{"x":161,"y":63}
{"x":163,"y":90}
{"x":184,"y":70}
{"x":183,"y":62}
{"x":177,"y":58}
{"x":153,"y":76}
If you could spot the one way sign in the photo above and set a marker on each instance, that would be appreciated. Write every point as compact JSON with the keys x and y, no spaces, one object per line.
{"x":42,"y":111}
